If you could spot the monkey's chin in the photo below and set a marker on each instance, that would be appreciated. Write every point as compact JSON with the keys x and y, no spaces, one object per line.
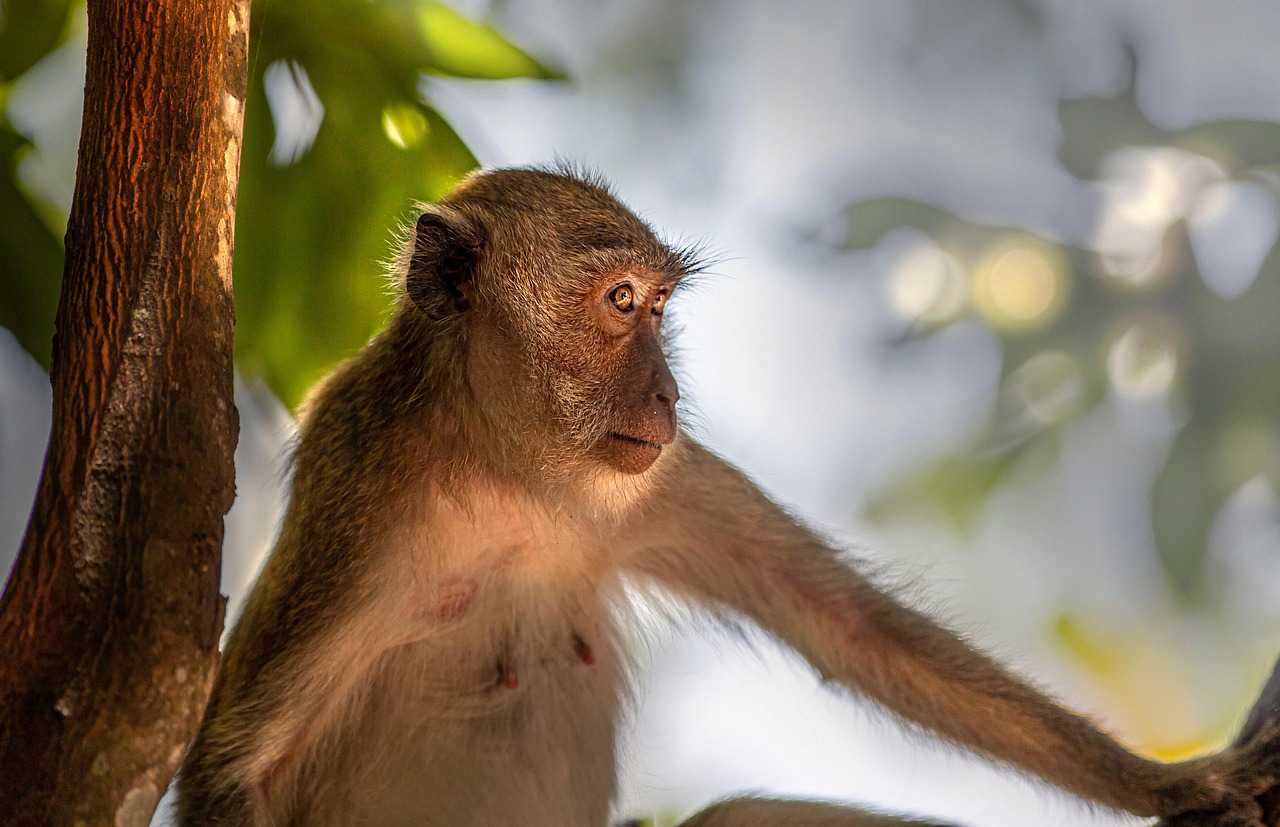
{"x":627,"y":454}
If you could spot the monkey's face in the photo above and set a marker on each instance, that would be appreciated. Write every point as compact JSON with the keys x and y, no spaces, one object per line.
{"x":558,"y":291}
{"x":576,"y":365}
{"x":637,"y":392}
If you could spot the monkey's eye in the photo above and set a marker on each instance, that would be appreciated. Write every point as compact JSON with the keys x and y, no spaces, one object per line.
{"x":660,"y":302}
{"x":623,"y":297}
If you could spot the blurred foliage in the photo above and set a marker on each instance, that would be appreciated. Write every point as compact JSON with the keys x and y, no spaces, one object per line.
{"x":1153,"y":331}
{"x":29,"y":30}
{"x":315,"y":217}
{"x":30,"y":259}
{"x":30,"y":251}
{"x":1096,"y":127}
{"x":309,"y":233}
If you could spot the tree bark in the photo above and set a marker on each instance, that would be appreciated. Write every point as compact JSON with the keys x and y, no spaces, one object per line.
{"x":1264,"y":716}
{"x":110,"y":621}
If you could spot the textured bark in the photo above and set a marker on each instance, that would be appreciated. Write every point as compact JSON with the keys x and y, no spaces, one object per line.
{"x":1264,"y":716}
{"x":110,"y":621}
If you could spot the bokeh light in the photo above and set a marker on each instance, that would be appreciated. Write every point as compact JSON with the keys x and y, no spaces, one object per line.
{"x":927,"y":285}
{"x":1142,"y":362}
{"x":296,"y":110}
{"x":404,"y":125}
{"x":1145,"y":191}
{"x":1046,"y":388}
{"x":1021,"y":285}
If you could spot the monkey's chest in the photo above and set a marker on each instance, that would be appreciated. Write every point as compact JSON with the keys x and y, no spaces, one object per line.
{"x":516,"y":689}
{"x":495,"y":648}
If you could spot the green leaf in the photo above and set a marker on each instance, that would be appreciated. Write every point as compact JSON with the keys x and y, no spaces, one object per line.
{"x":30,"y":252}
{"x":869,"y":220}
{"x":29,"y":30}
{"x":310,"y":288}
{"x":1237,"y":144}
{"x":463,"y":48}
{"x":312,"y":236}
{"x":30,"y":259}
{"x":1094,"y":128}
{"x":1185,"y":503}
{"x":958,"y":486}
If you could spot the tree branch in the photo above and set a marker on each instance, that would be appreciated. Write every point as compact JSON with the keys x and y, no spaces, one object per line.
{"x":110,"y":621}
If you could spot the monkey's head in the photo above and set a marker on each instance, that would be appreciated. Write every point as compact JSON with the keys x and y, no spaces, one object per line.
{"x":552,"y":294}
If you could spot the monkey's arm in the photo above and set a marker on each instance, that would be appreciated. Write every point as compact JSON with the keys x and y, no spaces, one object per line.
{"x":322,"y":611}
{"x":719,"y":537}
{"x":300,"y":647}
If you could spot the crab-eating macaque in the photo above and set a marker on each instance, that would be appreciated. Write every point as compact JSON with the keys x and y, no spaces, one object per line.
{"x":435,"y":638}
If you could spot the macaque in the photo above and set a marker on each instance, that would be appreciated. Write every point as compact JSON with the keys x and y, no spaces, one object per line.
{"x":435,"y":638}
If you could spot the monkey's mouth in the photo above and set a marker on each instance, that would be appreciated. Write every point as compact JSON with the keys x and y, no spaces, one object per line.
{"x":631,"y":440}
{"x":629,"y":454}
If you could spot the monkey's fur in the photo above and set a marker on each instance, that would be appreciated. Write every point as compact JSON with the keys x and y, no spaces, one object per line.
{"x":433,"y":642}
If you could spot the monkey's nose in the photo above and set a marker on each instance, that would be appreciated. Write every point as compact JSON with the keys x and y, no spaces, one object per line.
{"x":665,"y":390}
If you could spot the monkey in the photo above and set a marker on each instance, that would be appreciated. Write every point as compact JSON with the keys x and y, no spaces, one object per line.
{"x":436,"y":637}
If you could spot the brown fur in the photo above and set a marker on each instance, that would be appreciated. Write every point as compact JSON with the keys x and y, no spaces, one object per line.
{"x":433,"y":640}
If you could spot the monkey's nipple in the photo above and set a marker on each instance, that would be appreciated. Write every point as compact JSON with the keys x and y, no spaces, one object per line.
{"x":583,"y":651}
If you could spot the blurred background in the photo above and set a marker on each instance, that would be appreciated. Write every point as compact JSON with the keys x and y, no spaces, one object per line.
{"x":996,"y":302}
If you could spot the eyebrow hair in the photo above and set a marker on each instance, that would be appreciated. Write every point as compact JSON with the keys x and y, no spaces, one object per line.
{"x":668,"y":265}
{"x":693,"y":256}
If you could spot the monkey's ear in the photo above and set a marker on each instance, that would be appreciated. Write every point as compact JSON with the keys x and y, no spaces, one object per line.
{"x":446,"y":252}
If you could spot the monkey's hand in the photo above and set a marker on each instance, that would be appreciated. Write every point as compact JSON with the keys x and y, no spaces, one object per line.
{"x":1234,"y":788}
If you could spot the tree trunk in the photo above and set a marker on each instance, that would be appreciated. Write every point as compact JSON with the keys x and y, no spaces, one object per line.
{"x":1264,"y":717}
{"x":1262,"y":721}
{"x":110,"y":621}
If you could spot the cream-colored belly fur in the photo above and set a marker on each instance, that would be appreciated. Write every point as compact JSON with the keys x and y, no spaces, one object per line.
{"x":502,"y":709}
